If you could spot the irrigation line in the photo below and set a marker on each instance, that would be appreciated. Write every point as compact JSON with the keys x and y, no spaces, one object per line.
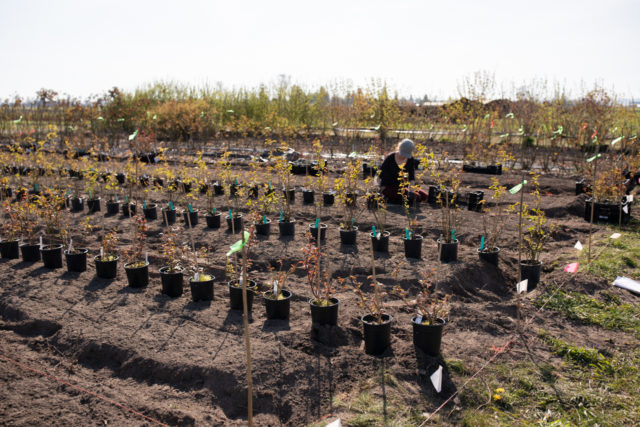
{"x":498,"y":351}
{"x":84,"y":390}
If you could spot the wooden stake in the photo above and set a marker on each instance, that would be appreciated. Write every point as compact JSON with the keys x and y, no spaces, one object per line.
{"x":247,"y":341}
{"x":593,"y":200}
{"x":518,"y":304}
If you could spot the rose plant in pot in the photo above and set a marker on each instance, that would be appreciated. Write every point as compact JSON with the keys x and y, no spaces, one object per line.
{"x":346,"y":188}
{"x":76,"y":254}
{"x":448,"y":180}
{"x":241,"y":287}
{"x":136,"y":259}
{"x":431,"y":313}
{"x":412,"y":240}
{"x":10,"y":231}
{"x":494,"y":218}
{"x":200,"y":282}
{"x":324,"y":306}
{"x":171,"y":274}
{"x":376,"y":323}
{"x":55,"y":230}
{"x":281,"y":167}
{"x":107,"y":261}
{"x":277,"y":297}
{"x":27,"y":214}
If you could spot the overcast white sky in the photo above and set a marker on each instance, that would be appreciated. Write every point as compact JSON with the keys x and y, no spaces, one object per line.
{"x":83,"y":47}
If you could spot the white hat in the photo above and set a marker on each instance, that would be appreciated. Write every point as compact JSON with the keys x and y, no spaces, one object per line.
{"x":406,"y":148}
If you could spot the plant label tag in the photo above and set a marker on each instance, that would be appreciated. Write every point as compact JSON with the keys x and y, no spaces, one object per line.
{"x":522,"y":286}
{"x":70,"y":245}
{"x":40,"y":242}
{"x":336,"y":423}
{"x":625,"y":209}
{"x":436,"y":379}
{"x":146,"y":257}
{"x":378,"y":235}
{"x":418,"y":319}
{"x":578,"y":246}
{"x":628,"y":284}
{"x":630,"y":198}
{"x":615,"y":236}
{"x":101,"y":253}
{"x":196,"y":278}
{"x":275,"y":287}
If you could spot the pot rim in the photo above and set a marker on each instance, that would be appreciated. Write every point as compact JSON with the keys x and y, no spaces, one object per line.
{"x":264,"y":295}
{"x":384,"y":322}
{"x":322,"y":225}
{"x":441,"y":321}
{"x":51,"y":247}
{"x":146,"y":264}
{"x":292,"y":220}
{"x":414,"y":237}
{"x":164,"y":270}
{"x":255,"y":284}
{"x":384,"y":233}
{"x":82,"y":251}
{"x":447,"y":243}
{"x":95,"y":258}
{"x":355,"y":228}
{"x":335,"y":301}
{"x":528,"y":263}
{"x":213,"y":279}
{"x":485,"y":251}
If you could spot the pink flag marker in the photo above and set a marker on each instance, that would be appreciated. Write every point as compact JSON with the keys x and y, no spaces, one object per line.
{"x":572,"y":268}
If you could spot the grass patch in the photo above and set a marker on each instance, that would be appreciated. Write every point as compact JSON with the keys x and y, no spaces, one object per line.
{"x":583,"y":356}
{"x":609,"y":314}
{"x":619,"y":257}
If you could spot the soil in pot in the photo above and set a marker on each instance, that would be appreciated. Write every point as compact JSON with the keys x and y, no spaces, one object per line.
{"x":277,"y":308}
{"x":52,"y":256}
{"x":137,"y":274}
{"x":202,"y":289}
{"x":427,"y":337}
{"x":30,"y":253}
{"x":377,"y":336}
{"x":107,"y":268}
{"x":76,"y":260}
{"x":380,"y":242}
{"x":413,"y":246}
{"x":235,"y":294}
{"x":448,"y":251}
{"x":324,"y":312}
{"x":10,"y":249}
{"x":349,"y":237}
{"x":171,"y":281}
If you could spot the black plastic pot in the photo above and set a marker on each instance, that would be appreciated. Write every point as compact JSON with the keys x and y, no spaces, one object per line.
{"x":10,"y":249}
{"x":202,"y":290}
{"x":290,"y":194}
{"x":433,"y":194}
{"x":168,"y":216}
{"x":93,"y":205}
{"x":30,"y":253}
{"x":52,"y":256}
{"x":126,"y":207}
{"x":328,"y":199}
{"x":448,"y":252}
{"x":190,"y":216}
{"x":473,"y":200}
{"x":308,"y":197}
{"x":76,"y":261}
{"x":608,"y":212}
{"x":428,"y":337}
{"x":377,"y":336}
{"x":324,"y":314}
{"x":213,"y":220}
{"x":106,"y":269}
{"x":151,"y":211}
{"x":77,"y":204}
{"x":171,"y":282}
{"x":218,"y":189}
{"x":277,"y":308}
{"x":380,"y":244}
{"x":314,"y":231}
{"x":530,"y":270}
{"x":348,"y":237}
{"x":413,"y":246}
{"x":287,"y":228}
{"x":263,"y":228}
{"x":236,"y":226}
{"x":113,"y":207}
{"x":235,"y":295}
{"x":138,"y":277}
{"x":489,"y":256}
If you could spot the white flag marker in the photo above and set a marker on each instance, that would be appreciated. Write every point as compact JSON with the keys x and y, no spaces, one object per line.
{"x":625,"y":209}
{"x":522,"y":286}
{"x":615,"y":235}
{"x":630,"y":198}
{"x":70,"y":245}
{"x":628,"y":284}
{"x":336,"y":423}
{"x":578,"y":246}
{"x":436,"y":379}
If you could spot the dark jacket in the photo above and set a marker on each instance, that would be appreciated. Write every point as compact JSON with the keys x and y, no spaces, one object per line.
{"x":390,"y":172}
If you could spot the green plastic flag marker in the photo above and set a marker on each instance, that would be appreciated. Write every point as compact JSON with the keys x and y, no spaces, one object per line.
{"x":464,"y":129}
{"x":504,"y":135}
{"x":101,"y":118}
{"x":482,"y":243}
{"x":264,"y":219}
{"x":90,"y":193}
{"x":281,"y":217}
{"x":509,"y":116}
{"x":334,"y":124}
{"x":559,"y":130}
{"x":317,"y":222}
{"x":133,"y":135}
{"x":373,"y":229}
{"x":171,"y":206}
{"x":35,"y":187}
{"x":487,"y":116}
{"x":615,"y":141}
{"x":144,"y":205}
{"x":117,"y":198}
{"x":214,"y":210}
{"x":591,"y":159}
{"x":126,"y":199}
{"x":230,"y":216}
{"x":453,"y":235}
{"x":352,"y":154}
{"x":230,"y":111}
{"x":520,"y":131}
{"x":237,"y":246}
{"x":235,"y":182}
{"x":518,"y":187}
{"x":155,"y":117}
{"x":377,"y":127}
{"x":120,"y":119}
{"x":407,"y":234}
{"x":18,"y":121}
{"x":269,"y":185}
{"x":190,"y":208}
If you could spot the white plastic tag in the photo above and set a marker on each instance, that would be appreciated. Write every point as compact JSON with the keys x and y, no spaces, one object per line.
{"x":615,"y":236}
{"x":578,"y":246}
{"x":522,"y":286}
{"x":436,"y":379}
{"x":628,"y":284}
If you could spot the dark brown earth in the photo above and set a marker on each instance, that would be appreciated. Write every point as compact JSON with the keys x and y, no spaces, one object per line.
{"x":183,"y":363}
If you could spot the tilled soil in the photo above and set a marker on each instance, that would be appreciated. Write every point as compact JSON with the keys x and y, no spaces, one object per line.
{"x":183,"y":363}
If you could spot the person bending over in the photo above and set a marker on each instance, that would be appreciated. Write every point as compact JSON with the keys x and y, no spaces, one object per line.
{"x":397,"y":164}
